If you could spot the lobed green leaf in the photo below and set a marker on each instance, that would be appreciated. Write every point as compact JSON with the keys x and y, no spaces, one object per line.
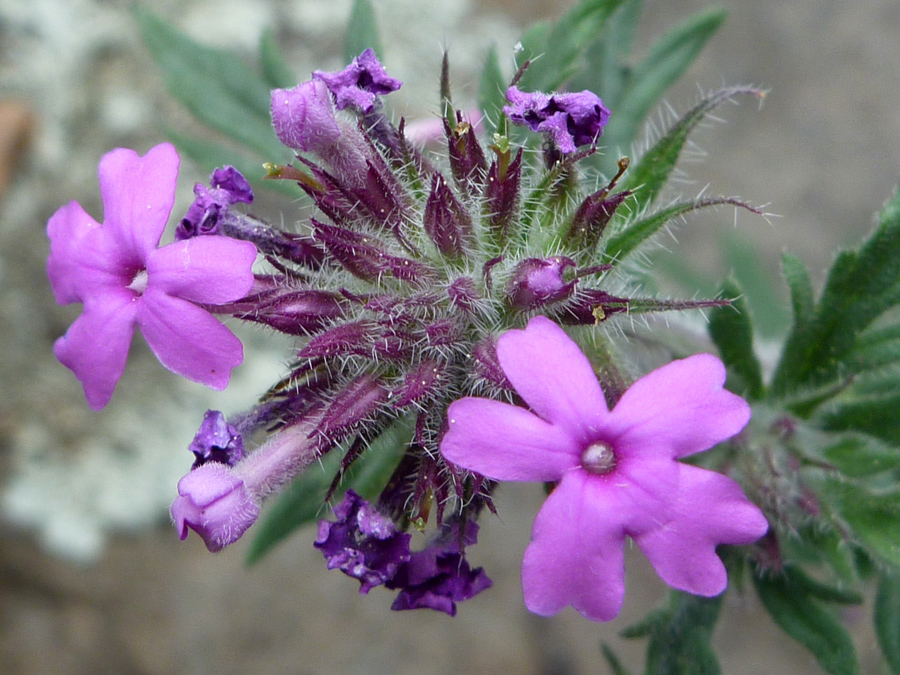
{"x":732,"y":332}
{"x":787,"y":599}
{"x":887,"y":619}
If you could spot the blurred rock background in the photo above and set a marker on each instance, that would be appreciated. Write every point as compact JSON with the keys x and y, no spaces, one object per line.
{"x":92,"y":576}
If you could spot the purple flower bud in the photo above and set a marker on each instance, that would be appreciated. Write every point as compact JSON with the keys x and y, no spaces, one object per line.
{"x":304,"y":117}
{"x":443,"y":332}
{"x":366,"y":258}
{"x":467,"y":161}
{"x":538,"y":281}
{"x":357,"y":401}
{"x":501,"y":197}
{"x":592,"y":217}
{"x":590,"y":306}
{"x":359,"y":83}
{"x":296,"y":312}
{"x":363,"y":544}
{"x":446,"y":221}
{"x":421,"y":382}
{"x":214,"y":503}
{"x":571,"y":120}
{"x":486,"y":364}
{"x":440,"y":576}
{"x":217,"y":441}
{"x":354,"y":337}
{"x":463,"y":294}
{"x":227,"y":187}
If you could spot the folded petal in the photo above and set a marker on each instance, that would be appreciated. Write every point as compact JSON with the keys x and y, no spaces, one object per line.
{"x":678,"y":409}
{"x":138,"y":194}
{"x":84,"y":260}
{"x":188,"y":340}
{"x":554,"y":377}
{"x":576,"y":556}
{"x":96,"y":346}
{"x":505,"y":442}
{"x":209,"y":269}
{"x":710,"y":509}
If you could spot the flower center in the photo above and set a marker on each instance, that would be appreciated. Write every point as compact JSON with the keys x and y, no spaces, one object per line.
{"x":139,"y":283}
{"x":598,"y":458}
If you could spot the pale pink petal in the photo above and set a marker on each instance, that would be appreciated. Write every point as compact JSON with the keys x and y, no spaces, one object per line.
{"x":211,"y":269}
{"x":505,"y":442}
{"x":84,"y":260}
{"x":554,"y":377}
{"x":188,"y":340}
{"x":96,"y":346}
{"x":138,"y":194}
{"x":709,"y":510}
{"x":678,"y":410}
{"x":576,"y":555}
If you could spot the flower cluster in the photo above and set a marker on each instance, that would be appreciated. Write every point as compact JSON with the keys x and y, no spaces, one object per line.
{"x":407,"y":292}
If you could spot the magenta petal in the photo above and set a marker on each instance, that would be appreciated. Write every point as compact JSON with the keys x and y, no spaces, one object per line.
{"x":84,"y":260}
{"x":189,"y":340}
{"x":678,"y":409}
{"x":710,"y":509}
{"x":576,"y":556}
{"x":505,"y":442}
{"x":96,"y":346}
{"x":554,"y":377}
{"x":138,"y":194}
{"x":210,"y":270}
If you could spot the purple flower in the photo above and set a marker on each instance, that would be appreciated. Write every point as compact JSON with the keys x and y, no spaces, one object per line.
{"x":217,"y":441}
{"x":227,"y":186}
{"x":363,"y":544}
{"x":359,"y":83}
{"x":216,"y":504}
{"x":571,"y":120}
{"x":440,"y":576}
{"x":220,"y":502}
{"x":303,"y":117}
{"x":617,"y":471}
{"x":124,"y":280}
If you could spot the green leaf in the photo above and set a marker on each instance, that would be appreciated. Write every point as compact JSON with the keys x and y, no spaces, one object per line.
{"x":872,"y":517}
{"x":622,"y":240}
{"x":362,"y":32}
{"x":305,"y":499}
{"x":787,"y":599}
{"x":275,"y":69}
{"x":666,"y":61}
{"x":555,"y":51}
{"x":492,"y":91}
{"x":216,"y":86}
{"x":652,"y":170}
{"x":861,"y":286}
{"x":887,"y":619}
{"x":861,"y":456}
{"x":874,"y":414}
{"x":761,"y":291}
{"x":732,"y":331}
{"x":802,"y":297}
{"x":680,"y":636}
{"x":615,"y":665}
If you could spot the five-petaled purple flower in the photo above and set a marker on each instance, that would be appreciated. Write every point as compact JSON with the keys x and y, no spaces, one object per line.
{"x":360,"y":82}
{"x":617,"y":471}
{"x":124,"y":280}
{"x":571,"y":119}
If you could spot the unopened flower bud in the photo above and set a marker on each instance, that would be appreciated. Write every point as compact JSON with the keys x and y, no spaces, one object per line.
{"x":539,"y":281}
